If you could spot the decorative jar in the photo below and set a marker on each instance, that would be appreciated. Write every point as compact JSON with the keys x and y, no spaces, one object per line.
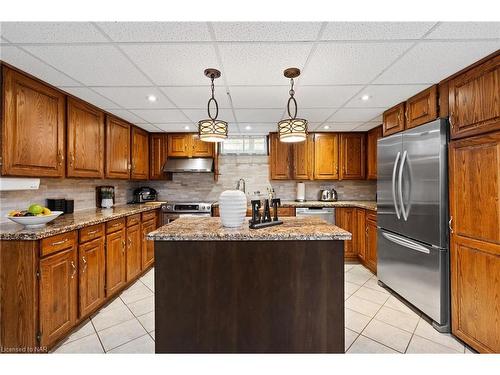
{"x":233,"y":208}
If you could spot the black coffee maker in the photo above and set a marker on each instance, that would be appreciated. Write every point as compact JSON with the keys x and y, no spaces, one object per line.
{"x":145,"y":194}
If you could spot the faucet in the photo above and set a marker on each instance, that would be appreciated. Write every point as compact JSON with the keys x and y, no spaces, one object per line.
{"x":241,"y":184}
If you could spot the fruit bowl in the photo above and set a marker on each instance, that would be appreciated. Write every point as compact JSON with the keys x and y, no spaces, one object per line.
{"x":35,"y":221}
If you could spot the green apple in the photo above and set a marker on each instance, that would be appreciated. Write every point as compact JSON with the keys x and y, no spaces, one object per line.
{"x":35,"y":209}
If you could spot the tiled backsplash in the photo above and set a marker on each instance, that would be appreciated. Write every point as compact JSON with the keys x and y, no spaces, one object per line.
{"x":186,"y":186}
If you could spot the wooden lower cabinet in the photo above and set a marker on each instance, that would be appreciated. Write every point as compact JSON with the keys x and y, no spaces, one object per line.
{"x":370,"y":260}
{"x":345,"y":218}
{"x":134,"y":254}
{"x":360,"y":233}
{"x":148,"y":248}
{"x":115,"y":261}
{"x":58,"y":290}
{"x":92,"y":273}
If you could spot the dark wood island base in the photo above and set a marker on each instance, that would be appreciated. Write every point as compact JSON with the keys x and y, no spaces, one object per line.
{"x":249,"y":296}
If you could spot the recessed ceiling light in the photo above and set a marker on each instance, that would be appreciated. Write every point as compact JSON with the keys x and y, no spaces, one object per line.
{"x":248,"y":127}
{"x":186,"y":127}
{"x":152,"y":98}
{"x":326,"y":127}
{"x":365,"y":97}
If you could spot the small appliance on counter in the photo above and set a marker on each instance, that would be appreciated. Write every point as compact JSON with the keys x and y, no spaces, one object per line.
{"x":328,"y":195}
{"x":301,"y":192}
{"x":145,"y":194}
{"x":105,"y":196}
{"x":61,"y":204}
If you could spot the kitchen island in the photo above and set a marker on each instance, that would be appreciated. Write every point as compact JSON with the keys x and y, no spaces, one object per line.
{"x":273,"y":290}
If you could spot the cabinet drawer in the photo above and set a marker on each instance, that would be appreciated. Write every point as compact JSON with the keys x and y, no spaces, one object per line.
{"x":114,"y":225}
{"x":133,"y":220}
{"x":57,"y":243}
{"x":149,"y":215}
{"x":92,"y":232}
{"x":371,"y":216}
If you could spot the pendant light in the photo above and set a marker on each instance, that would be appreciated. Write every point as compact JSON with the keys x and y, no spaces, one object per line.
{"x":292,"y":129}
{"x":211,"y":129}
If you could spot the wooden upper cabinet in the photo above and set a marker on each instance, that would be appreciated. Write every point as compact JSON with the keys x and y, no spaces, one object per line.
{"x":326,"y":156}
{"x":178,"y":145}
{"x":140,"y":154}
{"x":279,"y":158}
{"x":371,"y":152}
{"x":158,"y":156}
{"x":85,"y":148}
{"x":32,"y":127}
{"x":394,"y":120}
{"x":422,"y":107}
{"x":117,"y":148}
{"x":352,"y":156}
{"x":474,"y":100}
{"x":302,"y":159}
{"x":201,"y":149}
{"x":188,"y":145}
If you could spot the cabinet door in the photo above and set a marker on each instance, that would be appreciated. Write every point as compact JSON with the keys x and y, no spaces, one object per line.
{"x":85,"y":150}
{"x":302,"y":159}
{"x":371,"y":151}
{"x":346,"y":219}
{"x":279,"y":158}
{"x":92,"y":275}
{"x":422,"y":107}
{"x":140,"y":154}
{"x":134,"y":254}
{"x":148,"y":249}
{"x":361,"y":232}
{"x":201,"y":149}
{"x":352,"y":156}
{"x":474,"y":98}
{"x":178,"y":145}
{"x":326,"y":156}
{"x":115,"y":261}
{"x":117,"y":148}
{"x":394,"y":120}
{"x":371,"y":244}
{"x":58,"y":295}
{"x":158,"y":156}
{"x":32,"y":127}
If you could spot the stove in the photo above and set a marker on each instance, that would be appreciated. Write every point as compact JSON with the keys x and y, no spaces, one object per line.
{"x":173,"y":210}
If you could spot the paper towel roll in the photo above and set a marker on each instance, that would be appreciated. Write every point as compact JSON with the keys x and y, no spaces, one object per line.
{"x":301,"y":192}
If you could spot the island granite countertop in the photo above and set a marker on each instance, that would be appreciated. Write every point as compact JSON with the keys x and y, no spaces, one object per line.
{"x":69,"y":222}
{"x":369,"y":205}
{"x":211,"y":229}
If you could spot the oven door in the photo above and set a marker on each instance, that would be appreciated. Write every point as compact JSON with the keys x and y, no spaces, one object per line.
{"x":168,"y":217}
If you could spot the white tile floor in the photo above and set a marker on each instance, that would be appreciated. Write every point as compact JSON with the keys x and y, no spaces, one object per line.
{"x":375,"y":322}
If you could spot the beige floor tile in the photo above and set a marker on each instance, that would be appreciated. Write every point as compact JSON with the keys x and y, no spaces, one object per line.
{"x":114,"y":304}
{"x":143,"y":344}
{"x":120,"y":334}
{"x":367,"y":346}
{"x":469,"y":350}
{"x":136,"y":292}
{"x":356,"y":321}
{"x":420,"y":345}
{"x":373,"y":284}
{"x":398,"y":319}
{"x":425,"y":330}
{"x":152,"y":334}
{"x":87,"y":344}
{"x":395,"y":303}
{"x":148,"y":321}
{"x":350,"y":336}
{"x":347,"y":267}
{"x":110,"y":317}
{"x":388,"y":335}
{"x":142,"y":306}
{"x":362,"y":306}
{"x":371,"y":295}
{"x":350,"y":288}
{"x":356,"y":278}
{"x":85,"y":329}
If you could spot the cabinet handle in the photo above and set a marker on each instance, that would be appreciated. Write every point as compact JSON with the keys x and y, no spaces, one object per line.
{"x":93,"y":231}
{"x":406,"y":113}
{"x":129,"y":166}
{"x":115,"y":225}
{"x":74,"y":269}
{"x":59,"y":242}
{"x":451,"y":121}
{"x":449,"y":224}
{"x":60,"y":157}
{"x":123,"y":246}
{"x":85,"y":265}
{"x":71,"y":159}
{"x":129,"y":242}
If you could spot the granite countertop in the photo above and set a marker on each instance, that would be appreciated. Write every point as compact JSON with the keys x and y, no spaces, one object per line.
{"x":210,"y":229}
{"x":369,"y":205}
{"x":69,"y":222}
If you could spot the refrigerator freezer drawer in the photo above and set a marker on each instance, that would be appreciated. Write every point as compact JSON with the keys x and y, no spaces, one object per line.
{"x":417,"y":272}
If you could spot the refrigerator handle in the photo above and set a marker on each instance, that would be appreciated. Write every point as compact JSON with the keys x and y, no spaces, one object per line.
{"x":400,"y":186}
{"x":394,"y":170}
{"x":406,"y":243}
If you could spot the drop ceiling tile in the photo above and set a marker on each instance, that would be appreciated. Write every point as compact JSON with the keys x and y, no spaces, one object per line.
{"x":259,"y":96}
{"x":315,"y":114}
{"x":127,"y":116}
{"x":375,"y":30}
{"x":196,"y":115}
{"x":324,"y":96}
{"x":161,"y":115}
{"x":350,"y":63}
{"x":96,"y":65}
{"x":177,"y":127}
{"x":430,"y":62}
{"x":355,"y":114}
{"x":35,"y":67}
{"x":385,"y":96}
{"x":149,"y":128}
{"x":266,"y":31}
{"x":91,"y":97}
{"x":51,"y":32}
{"x":196,"y":96}
{"x":466,"y":30}
{"x":135,"y":97}
{"x":259,"y":115}
{"x":261,"y":63}
{"x":367,"y":126}
{"x":339,"y":126}
{"x":174,"y":64}
{"x":257,"y":129}
{"x":156,"y":31}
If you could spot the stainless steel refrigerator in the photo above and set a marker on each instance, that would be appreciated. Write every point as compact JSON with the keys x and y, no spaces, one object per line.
{"x":412,"y":218}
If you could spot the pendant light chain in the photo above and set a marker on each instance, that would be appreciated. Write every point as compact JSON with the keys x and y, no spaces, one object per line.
{"x":212,"y":86}
{"x":292,"y":100}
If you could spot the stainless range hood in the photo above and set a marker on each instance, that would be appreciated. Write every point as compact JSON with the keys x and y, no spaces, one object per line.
{"x":189,"y":165}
